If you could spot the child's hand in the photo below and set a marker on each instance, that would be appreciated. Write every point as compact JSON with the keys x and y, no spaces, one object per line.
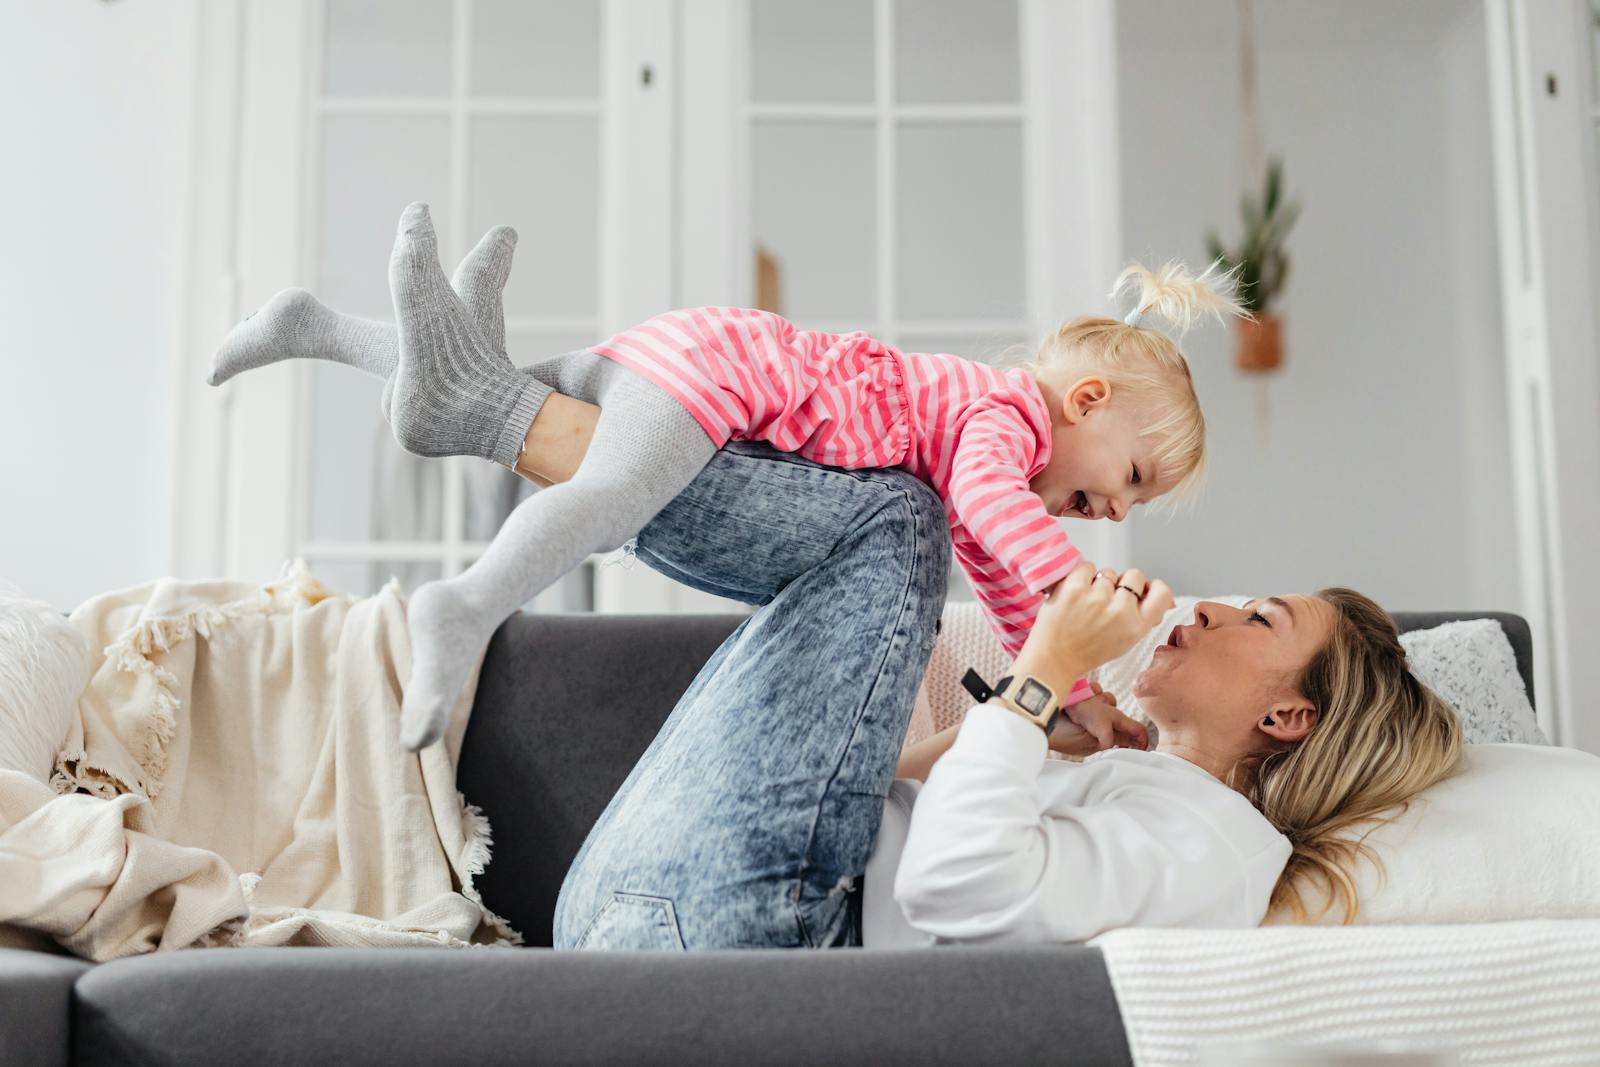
{"x":1089,"y":618}
{"x":1094,"y":724}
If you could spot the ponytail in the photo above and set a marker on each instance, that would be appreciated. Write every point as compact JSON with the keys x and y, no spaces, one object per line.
{"x":1145,"y":365}
{"x":1178,"y":296}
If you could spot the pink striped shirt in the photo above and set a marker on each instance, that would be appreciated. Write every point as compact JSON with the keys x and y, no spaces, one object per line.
{"x":975,"y":433}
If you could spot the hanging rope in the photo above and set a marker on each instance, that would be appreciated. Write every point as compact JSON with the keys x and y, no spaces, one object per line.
{"x":1252,"y":163}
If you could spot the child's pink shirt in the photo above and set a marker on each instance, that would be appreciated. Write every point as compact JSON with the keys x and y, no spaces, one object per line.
{"x":975,"y":433}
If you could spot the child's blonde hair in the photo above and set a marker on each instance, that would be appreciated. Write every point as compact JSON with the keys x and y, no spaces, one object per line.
{"x":1144,"y":363}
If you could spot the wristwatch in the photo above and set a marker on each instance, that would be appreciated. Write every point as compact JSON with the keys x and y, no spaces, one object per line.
{"x":1026,"y":696}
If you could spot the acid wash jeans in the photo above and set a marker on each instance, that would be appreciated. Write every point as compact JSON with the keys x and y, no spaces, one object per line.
{"x":748,"y":821}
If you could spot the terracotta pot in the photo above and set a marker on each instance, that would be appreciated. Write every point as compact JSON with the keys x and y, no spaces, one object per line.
{"x":1260,"y":344}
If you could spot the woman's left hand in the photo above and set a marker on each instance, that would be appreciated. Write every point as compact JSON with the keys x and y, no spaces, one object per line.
{"x":1091,"y":725}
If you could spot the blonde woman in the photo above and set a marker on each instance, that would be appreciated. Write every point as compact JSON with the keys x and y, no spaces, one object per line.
{"x":771,"y":809}
{"x":1282,"y":725}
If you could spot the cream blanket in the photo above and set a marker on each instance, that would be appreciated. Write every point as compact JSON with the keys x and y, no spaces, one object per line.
{"x":234,"y":777}
{"x":1515,"y":993}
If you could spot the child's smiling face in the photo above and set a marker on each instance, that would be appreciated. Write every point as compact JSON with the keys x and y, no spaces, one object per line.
{"x":1100,"y":466}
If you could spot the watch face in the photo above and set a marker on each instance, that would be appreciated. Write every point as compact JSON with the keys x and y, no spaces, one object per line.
{"x":1034,"y":697}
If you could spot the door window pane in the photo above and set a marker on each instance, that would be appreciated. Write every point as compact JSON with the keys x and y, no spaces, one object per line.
{"x":387,"y":48}
{"x":536,"y":48}
{"x":573,"y":591}
{"x":819,"y":52}
{"x":1594,"y":49}
{"x":489,"y":494}
{"x":957,"y":52}
{"x":960,"y":239}
{"x":363,"y":578}
{"x":363,"y":485}
{"x":812,"y":214}
{"x":541,"y":174}
{"x":533,"y":346}
{"x":372,"y":167}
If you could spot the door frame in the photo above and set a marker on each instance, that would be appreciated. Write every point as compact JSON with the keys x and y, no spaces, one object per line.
{"x":1547,"y":201}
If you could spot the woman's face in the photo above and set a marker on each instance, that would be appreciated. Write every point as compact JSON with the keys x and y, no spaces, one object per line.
{"x":1217,"y":680}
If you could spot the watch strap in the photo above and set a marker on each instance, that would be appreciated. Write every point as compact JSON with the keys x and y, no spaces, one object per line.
{"x":983,"y":692}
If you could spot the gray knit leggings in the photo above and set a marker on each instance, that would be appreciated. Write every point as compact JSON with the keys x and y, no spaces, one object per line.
{"x":646,"y":450}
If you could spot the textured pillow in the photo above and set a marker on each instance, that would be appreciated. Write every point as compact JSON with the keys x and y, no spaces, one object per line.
{"x":1514,"y":834}
{"x":44,"y":665}
{"x":965,"y":641}
{"x":1472,"y":665}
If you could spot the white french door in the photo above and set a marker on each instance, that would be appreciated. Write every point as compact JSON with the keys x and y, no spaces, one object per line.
{"x":1544,"y":61}
{"x":938,"y":172}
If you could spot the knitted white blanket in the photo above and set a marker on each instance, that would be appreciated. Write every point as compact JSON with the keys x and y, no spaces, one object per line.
{"x":1525,"y":993}
{"x":234,"y":777}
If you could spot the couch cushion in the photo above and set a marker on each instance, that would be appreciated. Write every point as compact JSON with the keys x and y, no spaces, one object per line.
{"x":35,"y":1006}
{"x":292,"y":1006}
{"x":566,"y":705}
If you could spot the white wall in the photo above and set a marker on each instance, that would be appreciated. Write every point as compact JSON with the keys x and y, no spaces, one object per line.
{"x":1384,"y":466}
{"x":95,"y":119}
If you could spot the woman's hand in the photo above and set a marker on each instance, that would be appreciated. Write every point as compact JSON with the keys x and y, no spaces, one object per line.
{"x":1095,"y":724}
{"x":1088,"y":618}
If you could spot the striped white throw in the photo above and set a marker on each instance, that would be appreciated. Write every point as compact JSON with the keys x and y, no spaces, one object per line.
{"x":1525,"y":993}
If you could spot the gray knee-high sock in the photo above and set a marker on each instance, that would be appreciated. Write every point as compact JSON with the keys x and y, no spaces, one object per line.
{"x":646,"y":449}
{"x":454,"y":393}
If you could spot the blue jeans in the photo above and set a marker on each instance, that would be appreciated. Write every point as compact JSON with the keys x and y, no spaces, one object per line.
{"x":748,"y":821}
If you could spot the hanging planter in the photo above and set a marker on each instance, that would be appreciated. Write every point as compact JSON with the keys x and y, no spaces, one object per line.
{"x":1262,"y":266}
{"x":1259,"y":343}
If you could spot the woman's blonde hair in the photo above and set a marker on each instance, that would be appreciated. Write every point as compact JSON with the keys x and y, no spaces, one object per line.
{"x":1381,"y":737}
{"x":1144,"y":363}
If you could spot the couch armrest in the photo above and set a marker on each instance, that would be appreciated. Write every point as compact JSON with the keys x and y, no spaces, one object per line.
{"x":36,"y":1006}
{"x":850,"y":1006}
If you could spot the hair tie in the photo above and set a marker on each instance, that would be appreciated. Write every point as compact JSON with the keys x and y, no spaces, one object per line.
{"x":1134,"y":318}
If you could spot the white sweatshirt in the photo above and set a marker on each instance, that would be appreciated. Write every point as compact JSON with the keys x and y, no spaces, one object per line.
{"x":1008,"y":846}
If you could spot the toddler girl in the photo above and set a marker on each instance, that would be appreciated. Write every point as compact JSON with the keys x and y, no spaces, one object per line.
{"x":1103,"y":418}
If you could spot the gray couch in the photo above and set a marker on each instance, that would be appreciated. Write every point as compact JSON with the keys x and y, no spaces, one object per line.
{"x":565,"y":705}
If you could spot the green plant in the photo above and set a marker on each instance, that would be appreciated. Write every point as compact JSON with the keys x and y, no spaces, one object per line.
{"x":1261,"y":261}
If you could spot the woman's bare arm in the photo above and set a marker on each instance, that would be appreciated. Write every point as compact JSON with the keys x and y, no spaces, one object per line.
{"x":917,"y":760}
{"x":557,"y":440}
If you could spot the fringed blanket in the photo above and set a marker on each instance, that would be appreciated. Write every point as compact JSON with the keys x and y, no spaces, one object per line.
{"x":234,"y":777}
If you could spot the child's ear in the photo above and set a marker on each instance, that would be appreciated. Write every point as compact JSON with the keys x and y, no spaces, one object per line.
{"x":1085,"y":395}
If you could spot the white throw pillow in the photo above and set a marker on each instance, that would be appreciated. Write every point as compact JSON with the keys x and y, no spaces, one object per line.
{"x":1514,"y":834}
{"x":44,"y":665}
{"x":1472,"y":665}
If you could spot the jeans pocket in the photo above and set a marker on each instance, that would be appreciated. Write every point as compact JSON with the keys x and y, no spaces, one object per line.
{"x":633,"y":922}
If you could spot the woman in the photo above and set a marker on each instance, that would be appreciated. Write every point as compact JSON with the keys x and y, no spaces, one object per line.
{"x":1281,"y":724}
{"x":749,"y":820}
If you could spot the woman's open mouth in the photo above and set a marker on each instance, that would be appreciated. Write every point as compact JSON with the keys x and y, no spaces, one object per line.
{"x":1174,"y":640}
